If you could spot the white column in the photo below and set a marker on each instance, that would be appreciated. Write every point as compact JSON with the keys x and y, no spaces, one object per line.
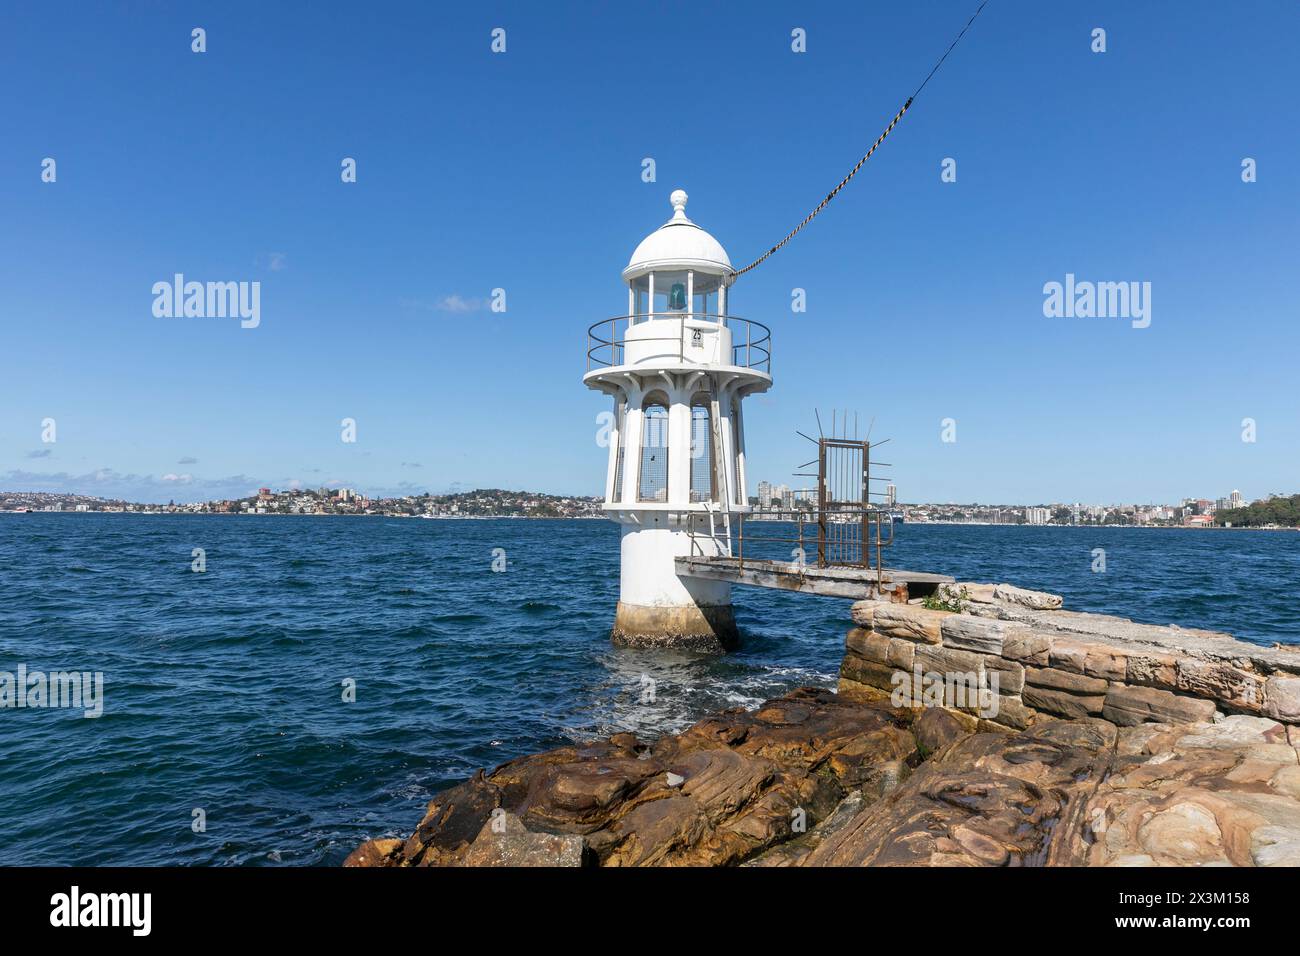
{"x":722,"y":454}
{"x":679,"y":451}
{"x":738,"y":428}
{"x":615,"y":440}
{"x":632,"y":452}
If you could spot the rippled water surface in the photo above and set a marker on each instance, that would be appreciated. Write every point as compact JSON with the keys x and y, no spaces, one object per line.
{"x":223,"y":690}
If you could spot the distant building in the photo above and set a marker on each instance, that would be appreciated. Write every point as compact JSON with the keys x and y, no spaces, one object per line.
{"x":1037,"y":515}
{"x":891,"y":494}
{"x":1236,"y":500}
{"x":765,"y":494}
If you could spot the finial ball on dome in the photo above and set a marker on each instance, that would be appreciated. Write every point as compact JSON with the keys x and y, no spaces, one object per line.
{"x":678,"y":199}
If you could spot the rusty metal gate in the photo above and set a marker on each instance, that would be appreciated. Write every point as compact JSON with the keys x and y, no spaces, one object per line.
{"x":843,"y":530}
{"x":843,"y":508}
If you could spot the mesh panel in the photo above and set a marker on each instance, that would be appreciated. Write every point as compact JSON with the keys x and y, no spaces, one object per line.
{"x":701,"y":454}
{"x":653,"y":479}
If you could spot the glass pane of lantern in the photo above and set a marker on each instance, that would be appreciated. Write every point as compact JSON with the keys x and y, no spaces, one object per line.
{"x":670,"y":292}
{"x":677,"y":297}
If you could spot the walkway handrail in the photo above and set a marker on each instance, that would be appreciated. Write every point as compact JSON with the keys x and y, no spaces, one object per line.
{"x":840,"y":537}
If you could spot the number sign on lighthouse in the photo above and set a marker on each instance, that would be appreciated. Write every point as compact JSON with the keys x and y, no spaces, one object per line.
{"x":678,"y":366}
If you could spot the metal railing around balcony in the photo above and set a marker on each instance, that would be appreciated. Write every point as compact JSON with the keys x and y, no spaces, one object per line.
{"x":751,"y":342}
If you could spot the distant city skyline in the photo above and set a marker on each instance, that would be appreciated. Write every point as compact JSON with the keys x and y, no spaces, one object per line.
{"x":777,"y":498}
{"x":929,"y":289}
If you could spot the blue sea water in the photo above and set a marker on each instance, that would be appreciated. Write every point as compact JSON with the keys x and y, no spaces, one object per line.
{"x":224,"y":689}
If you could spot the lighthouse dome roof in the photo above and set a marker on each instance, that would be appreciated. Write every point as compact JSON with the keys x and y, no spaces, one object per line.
{"x":678,"y":244}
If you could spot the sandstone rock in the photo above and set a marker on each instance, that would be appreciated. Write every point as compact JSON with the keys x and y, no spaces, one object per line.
{"x":1222,"y":682}
{"x":1091,"y":658}
{"x":1152,"y":669}
{"x":901,"y":654}
{"x":1062,"y":680}
{"x":909,"y":623}
{"x":373,"y":853}
{"x":1012,"y":714}
{"x":947,"y":660}
{"x":1282,"y":698}
{"x":452,"y":822}
{"x":1010,"y":675}
{"x":1126,"y":705}
{"x":862,"y":612}
{"x":1194,"y":795}
{"x":1275,"y":846}
{"x":986,"y":800}
{"x":1063,"y":703}
{"x":1028,"y":647}
{"x":505,"y":841}
{"x":745,"y":777}
{"x":936,"y":728}
{"x":868,"y":644}
{"x":851,"y":690}
{"x":1063,"y":693}
{"x":1184,"y":834}
{"x":974,"y":633}
{"x":795,"y":851}
{"x":1286,"y":781}
{"x":1035,"y":600}
{"x":1236,"y":731}
{"x":863,"y":671}
{"x":993,"y":612}
{"x":978,"y":593}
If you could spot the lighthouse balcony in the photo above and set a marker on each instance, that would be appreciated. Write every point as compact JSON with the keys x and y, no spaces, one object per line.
{"x":679,"y":341}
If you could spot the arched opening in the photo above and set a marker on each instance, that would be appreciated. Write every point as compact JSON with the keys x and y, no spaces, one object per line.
{"x":652,"y":480}
{"x":703,"y":473}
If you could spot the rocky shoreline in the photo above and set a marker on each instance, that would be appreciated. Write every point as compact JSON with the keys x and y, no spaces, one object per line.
{"x":1042,"y":737}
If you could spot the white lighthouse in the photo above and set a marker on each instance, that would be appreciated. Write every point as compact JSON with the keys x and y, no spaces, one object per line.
{"x":678,"y":366}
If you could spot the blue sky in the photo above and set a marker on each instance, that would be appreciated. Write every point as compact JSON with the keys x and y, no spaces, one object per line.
{"x":522,"y":171}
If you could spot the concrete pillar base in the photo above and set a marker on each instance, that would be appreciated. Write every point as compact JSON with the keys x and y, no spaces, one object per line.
{"x":709,"y":628}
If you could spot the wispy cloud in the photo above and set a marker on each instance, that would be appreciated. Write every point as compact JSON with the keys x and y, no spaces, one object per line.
{"x":454,"y":303}
{"x":40,"y":453}
{"x":187,"y":460}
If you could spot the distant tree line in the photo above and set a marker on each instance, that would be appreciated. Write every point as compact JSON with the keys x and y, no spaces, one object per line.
{"x":1280,"y":511}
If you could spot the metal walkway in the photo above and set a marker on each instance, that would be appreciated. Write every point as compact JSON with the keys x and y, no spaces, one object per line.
{"x":845,"y":582}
